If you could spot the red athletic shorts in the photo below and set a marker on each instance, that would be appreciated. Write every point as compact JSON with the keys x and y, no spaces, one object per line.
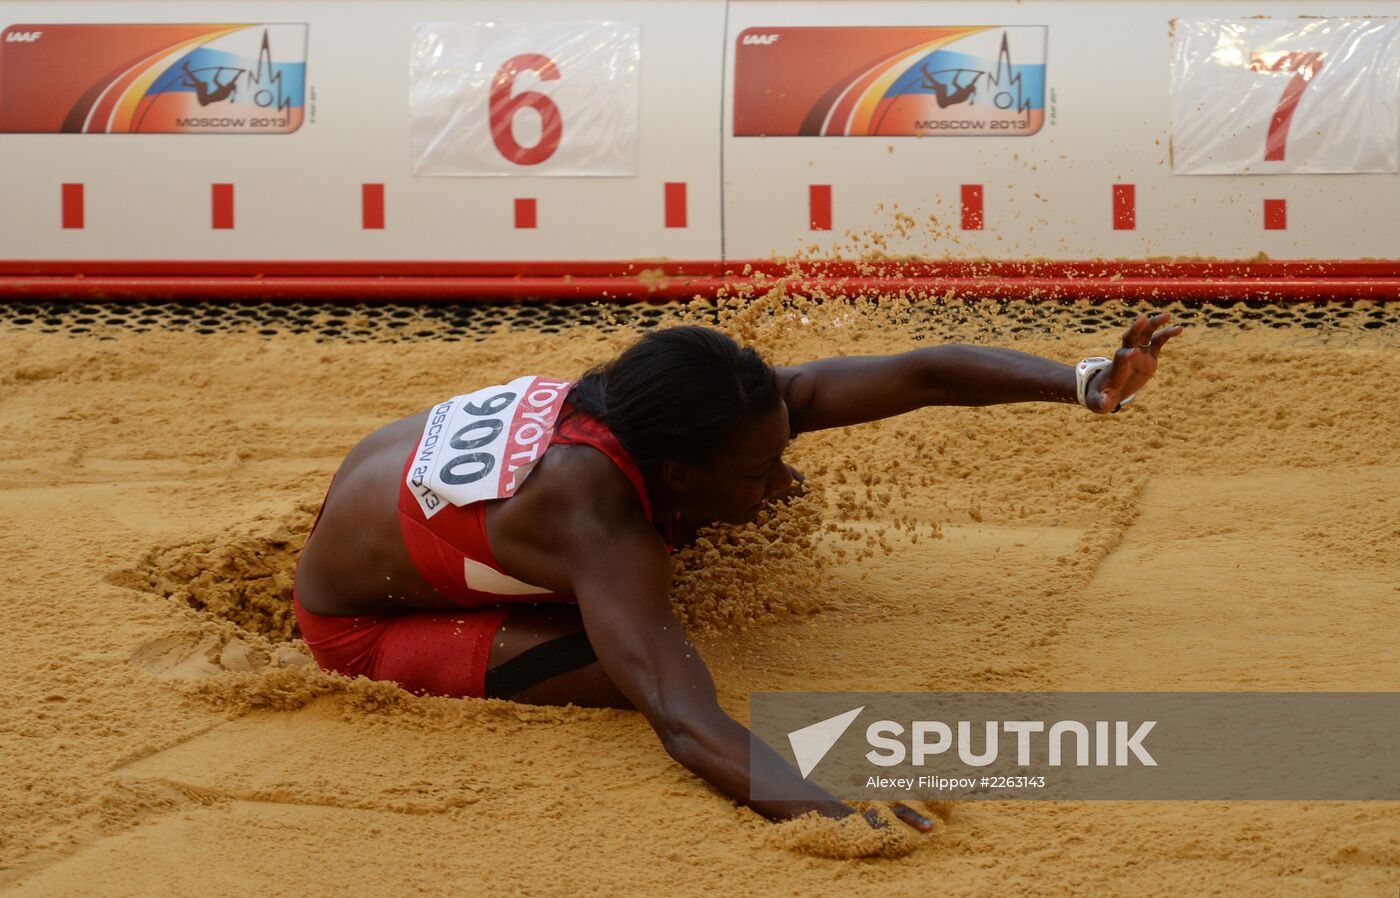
{"x":427,"y":652}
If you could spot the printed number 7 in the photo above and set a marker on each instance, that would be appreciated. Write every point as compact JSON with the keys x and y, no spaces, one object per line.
{"x":1304,"y":67}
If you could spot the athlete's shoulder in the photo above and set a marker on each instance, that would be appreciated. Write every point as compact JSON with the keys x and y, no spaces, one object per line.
{"x":602,"y":503}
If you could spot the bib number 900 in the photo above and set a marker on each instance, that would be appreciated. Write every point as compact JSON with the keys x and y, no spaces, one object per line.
{"x":471,"y":466}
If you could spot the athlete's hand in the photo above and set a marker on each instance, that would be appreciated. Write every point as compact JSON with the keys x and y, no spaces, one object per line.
{"x":1133,"y":364}
{"x":904,"y":813}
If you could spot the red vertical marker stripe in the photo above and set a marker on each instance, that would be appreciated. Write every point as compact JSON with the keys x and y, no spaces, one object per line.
{"x":222,"y":197}
{"x":372,"y":207}
{"x":1275,"y":215}
{"x":972,"y":207}
{"x":675,"y":204}
{"x":1124,"y":207}
{"x":73,"y":206}
{"x":525,"y":212}
{"x":819,"y":199}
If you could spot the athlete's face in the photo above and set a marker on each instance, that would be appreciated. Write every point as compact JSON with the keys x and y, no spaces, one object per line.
{"x":734,"y":487}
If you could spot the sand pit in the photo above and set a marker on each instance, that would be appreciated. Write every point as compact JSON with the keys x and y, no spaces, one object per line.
{"x":163,"y":734}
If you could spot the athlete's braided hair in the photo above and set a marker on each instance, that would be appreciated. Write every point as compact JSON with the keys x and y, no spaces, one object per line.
{"x":678,"y":394}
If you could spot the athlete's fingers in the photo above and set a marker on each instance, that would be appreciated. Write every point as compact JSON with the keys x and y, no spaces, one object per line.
{"x":1155,"y":322}
{"x":1132,"y":329}
{"x":913,"y":818}
{"x":1134,"y":335}
{"x":1162,"y":337}
{"x":1143,"y":328}
{"x":873,"y":817}
{"x":1118,"y":375}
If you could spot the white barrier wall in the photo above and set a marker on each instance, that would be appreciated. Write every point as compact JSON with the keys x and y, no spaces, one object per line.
{"x":1048,"y":195}
{"x":300,"y":196}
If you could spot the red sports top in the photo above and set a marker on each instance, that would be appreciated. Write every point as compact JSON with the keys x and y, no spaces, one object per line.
{"x":451,"y":549}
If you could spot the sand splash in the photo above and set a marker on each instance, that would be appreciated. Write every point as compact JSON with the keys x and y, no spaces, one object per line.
{"x":243,"y":576}
{"x":1227,"y":533}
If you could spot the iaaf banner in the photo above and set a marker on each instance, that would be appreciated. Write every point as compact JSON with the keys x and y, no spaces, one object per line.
{"x":152,"y":79}
{"x":1087,"y":745}
{"x":955,"y":81}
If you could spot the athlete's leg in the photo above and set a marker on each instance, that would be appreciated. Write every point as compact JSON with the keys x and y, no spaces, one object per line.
{"x":541,"y":656}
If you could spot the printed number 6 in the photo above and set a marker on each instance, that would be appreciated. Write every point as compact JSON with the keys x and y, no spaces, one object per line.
{"x":1304,"y":67}
{"x":503,"y":107}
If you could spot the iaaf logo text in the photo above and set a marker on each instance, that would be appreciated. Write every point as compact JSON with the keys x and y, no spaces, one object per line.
{"x":23,"y":37}
{"x":887,"y":740}
{"x":761,"y":39}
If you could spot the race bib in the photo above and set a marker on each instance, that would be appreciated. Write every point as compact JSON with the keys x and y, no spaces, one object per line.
{"x":483,"y":445}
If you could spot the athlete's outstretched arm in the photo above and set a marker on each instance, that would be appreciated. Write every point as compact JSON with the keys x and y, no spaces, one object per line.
{"x":842,"y":391}
{"x":622,"y":588}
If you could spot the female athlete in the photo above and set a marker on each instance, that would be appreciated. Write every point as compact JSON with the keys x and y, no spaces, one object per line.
{"x":514,"y":542}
